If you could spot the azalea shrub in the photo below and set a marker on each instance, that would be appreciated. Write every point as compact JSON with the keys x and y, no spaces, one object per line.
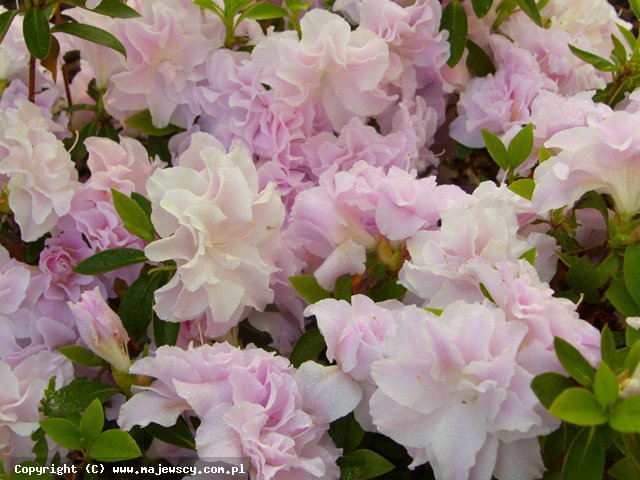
{"x":298,"y":240}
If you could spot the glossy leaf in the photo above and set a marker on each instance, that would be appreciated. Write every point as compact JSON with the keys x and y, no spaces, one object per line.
{"x":308,"y":347}
{"x":621,"y":299}
{"x":62,"y":431}
{"x":454,"y":20}
{"x":50,"y":62}
{"x":109,"y":260}
{"x":92,"y":34}
{"x":110,"y":8}
{"x":520,"y":147}
{"x":308,"y":288}
{"x":531,"y":9}
{"x":593,"y":59}
{"x":265,"y":11}
{"x":165,"y":333}
{"x":481,"y":7}
{"x":363,"y":464}
{"x":496,"y":149}
{"x":92,"y":421}
{"x":547,"y":387}
{"x":135,"y":219}
{"x":179,"y":434}
{"x":578,"y":406}
{"x":625,"y":416}
{"x":605,"y":386}
{"x":136,"y":307}
{"x":36,"y":33}
{"x":585,"y":457}
{"x":77,"y":396}
{"x":573,"y":362}
{"x":6,"y":18}
{"x":114,"y":446}
{"x":478,"y":61}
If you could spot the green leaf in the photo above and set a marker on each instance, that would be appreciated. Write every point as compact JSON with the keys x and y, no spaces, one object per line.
{"x":585,"y":457}
{"x":62,"y":431}
{"x":77,"y":396}
{"x":179,"y":434}
{"x":635,"y":6}
{"x":342,"y":290}
{"x":346,"y":433}
{"x":530,"y":255}
{"x":624,"y":469}
{"x":92,"y":34}
{"x":632,"y":335}
{"x":478,"y":61}
{"x":578,"y":406}
{"x":308,"y":347}
{"x":26,"y":475}
{"x":264,"y":11}
{"x":92,"y":421}
{"x":621,"y":299}
{"x":308,"y":288}
{"x":114,"y":446}
{"x":631,"y":271}
{"x":523,"y":187}
{"x":605,"y":386}
{"x":50,"y":62}
{"x":144,"y":203}
{"x":6,"y":19}
{"x":625,"y":416}
{"x":164,"y":333}
{"x":109,"y":260}
{"x":628,"y":36}
{"x":585,"y":277}
{"x":481,"y":7}
{"x":619,"y":52}
{"x":545,"y":154}
{"x":633,"y":358}
{"x":608,"y":348}
{"x":210,"y":5}
{"x":81,"y":356}
{"x":531,"y":9}
{"x":111,"y":8}
{"x":390,"y":290}
{"x":363,"y":464}
{"x":36,"y":33}
{"x":547,"y":387}
{"x":520,"y":147}
{"x":454,"y":20}
{"x":573,"y":362}
{"x":143,"y":122}
{"x":134,"y":217}
{"x":496,"y":149}
{"x":136,"y":307}
{"x":593,"y":59}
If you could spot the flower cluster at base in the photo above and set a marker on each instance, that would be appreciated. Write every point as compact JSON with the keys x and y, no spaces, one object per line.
{"x":251,"y":403}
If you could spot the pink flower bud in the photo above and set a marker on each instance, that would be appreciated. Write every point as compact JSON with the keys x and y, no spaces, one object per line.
{"x":101,"y":329}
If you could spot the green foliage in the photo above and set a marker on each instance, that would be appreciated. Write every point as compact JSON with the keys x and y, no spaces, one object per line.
{"x":625,"y":416}
{"x":81,"y":356}
{"x":6,"y":19}
{"x":143,"y":122}
{"x":585,"y":457}
{"x":342,"y":290}
{"x":62,"y":431}
{"x":92,"y":34}
{"x":478,"y":61}
{"x":110,"y":8}
{"x":308,"y":288}
{"x":136,"y":306}
{"x":481,"y":7}
{"x":512,"y":157}
{"x":109,"y":260}
{"x":454,"y":20}
{"x":37,"y":37}
{"x":92,"y":421}
{"x":346,"y":433}
{"x":578,"y":406}
{"x":631,"y":271}
{"x":547,"y":387}
{"x":76,"y":397}
{"x":573,"y":362}
{"x":165,"y":333}
{"x":531,"y":9}
{"x":363,"y":464}
{"x":587,"y":278}
{"x":605,"y":386}
{"x":308,"y":347}
{"x":136,"y":220}
{"x":523,"y":187}
{"x":114,"y":446}
{"x":178,"y":434}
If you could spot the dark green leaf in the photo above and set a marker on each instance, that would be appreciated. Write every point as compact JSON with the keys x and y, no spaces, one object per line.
{"x":523,"y":187}
{"x":79,"y":150}
{"x":179,"y":434}
{"x":593,"y":59}
{"x":36,"y":33}
{"x":496,"y":149}
{"x":308,"y":288}
{"x":164,"y":333}
{"x":25,"y":474}
{"x":548,"y":386}
{"x":81,"y":356}
{"x":92,"y":34}
{"x":520,"y":147}
{"x":136,"y":307}
{"x":111,"y":8}
{"x":6,"y":18}
{"x":62,"y":431}
{"x":624,"y":469}
{"x":608,"y":347}
{"x":77,"y":396}
{"x":92,"y":421}
{"x":265,"y":11}
{"x":110,"y":260}
{"x":585,"y":458}
{"x":144,"y":203}
{"x":573,"y":362}
{"x":635,"y":6}
{"x":143,"y":122}
{"x":585,"y":277}
{"x":478,"y":61}
{"x":390,"y":290}
{"x":308,"y":347}
{"x":50,"y":62}
{"x":40,"y":447}
{"x":481,"y":7}
{"x":594,"y":200}
{"x":605,"y":385}
{"x":114,"y":446}
{"x":631,"y":271}
{"x":346,"y":433}
{"x":363,"y":464}
{"x":619,"y":52}
{"x":621,"y":299}
{"x":531,"y":9}
{"x":625,"y":416}
{"x":578,"y":406}
{"x":454,"y":20}
{"x":133,"y":216}
{"x":342,"y":290}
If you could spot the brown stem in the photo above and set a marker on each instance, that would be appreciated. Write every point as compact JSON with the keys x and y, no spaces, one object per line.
{"x":65,"y":71}
{"x":32,"y":79}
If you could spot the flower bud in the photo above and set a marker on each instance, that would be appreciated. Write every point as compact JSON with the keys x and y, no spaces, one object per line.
{"x":101,"y":329}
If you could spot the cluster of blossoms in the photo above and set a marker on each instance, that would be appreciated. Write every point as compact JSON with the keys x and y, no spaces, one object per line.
{"x":212,"y":183}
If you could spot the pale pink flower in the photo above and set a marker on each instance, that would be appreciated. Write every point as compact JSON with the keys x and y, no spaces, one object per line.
{"x":219,"y":228}
{"x":339,"y":68}
{"x":42,"y":177}
{"x":452,"y":392}
{"x":602,"y":156}
{"x":101,"y":329}
{"x":251,"y":404}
